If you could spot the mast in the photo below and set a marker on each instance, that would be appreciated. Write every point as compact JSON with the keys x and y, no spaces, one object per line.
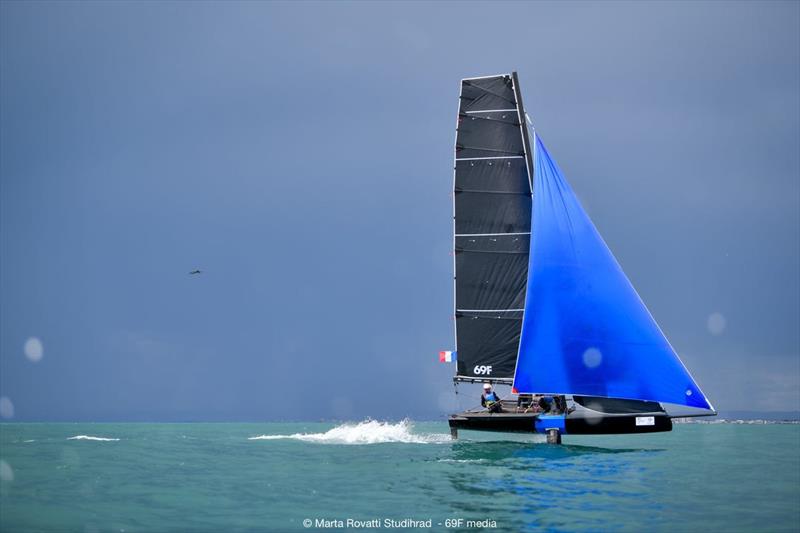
{"x":492,"y":227}
{"x":523,"y":128}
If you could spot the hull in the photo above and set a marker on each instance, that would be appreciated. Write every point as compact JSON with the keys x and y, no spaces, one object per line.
{"x":619,"y":424}
{"x":566,"y":424}
{"x":580,"y":421}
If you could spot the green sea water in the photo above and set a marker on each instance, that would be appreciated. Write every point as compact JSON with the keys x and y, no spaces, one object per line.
{"x":272,"y":477}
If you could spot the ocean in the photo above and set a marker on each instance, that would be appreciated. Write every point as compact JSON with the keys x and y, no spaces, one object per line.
{"x":393,"y":475}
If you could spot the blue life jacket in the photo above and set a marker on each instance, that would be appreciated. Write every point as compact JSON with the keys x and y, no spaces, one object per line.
{"x":491,"y":397}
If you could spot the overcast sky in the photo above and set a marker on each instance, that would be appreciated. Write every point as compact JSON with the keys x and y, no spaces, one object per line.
{"x":301,"y":156}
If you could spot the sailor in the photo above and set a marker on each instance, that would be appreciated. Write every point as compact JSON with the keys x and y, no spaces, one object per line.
{"x":546,"y":403}
{"x":525,"y":402}
{"x":560,"y":403}
{"x":489,"y":399}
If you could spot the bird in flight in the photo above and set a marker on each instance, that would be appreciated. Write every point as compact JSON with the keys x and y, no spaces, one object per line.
{"x":193,"y":272}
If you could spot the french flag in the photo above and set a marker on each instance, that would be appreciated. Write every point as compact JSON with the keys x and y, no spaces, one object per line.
{"x":447,"y":357}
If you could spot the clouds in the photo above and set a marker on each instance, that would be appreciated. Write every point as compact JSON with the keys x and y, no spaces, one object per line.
{"x":301,"y":155}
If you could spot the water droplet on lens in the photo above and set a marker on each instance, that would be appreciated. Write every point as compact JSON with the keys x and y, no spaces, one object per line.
{"x":592,"y":357}
{"x":34,"y":349}
{"x":6,"y":473}
{"x":6,"y":408}
{"x":716,"y":323}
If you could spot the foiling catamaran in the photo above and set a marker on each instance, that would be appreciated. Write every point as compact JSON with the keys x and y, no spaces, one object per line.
{"x":541,"y":303}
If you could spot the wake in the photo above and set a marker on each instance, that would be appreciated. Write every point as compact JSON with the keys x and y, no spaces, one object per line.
{"x":89,"y":437}
{"x":366,"y":432}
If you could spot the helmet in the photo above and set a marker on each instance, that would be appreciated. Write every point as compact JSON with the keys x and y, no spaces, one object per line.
{"x":487,"y":386}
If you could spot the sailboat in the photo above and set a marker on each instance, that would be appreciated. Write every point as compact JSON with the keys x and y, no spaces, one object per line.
{"x":541,"y":304}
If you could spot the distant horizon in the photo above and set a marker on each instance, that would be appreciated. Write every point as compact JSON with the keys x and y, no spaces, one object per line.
{"x":732,"y":414}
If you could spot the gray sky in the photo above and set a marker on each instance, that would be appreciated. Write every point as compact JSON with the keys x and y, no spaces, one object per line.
{"x":301,"y":154}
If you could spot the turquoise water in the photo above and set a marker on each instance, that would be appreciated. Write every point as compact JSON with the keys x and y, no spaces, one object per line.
{"x":270,"y":477}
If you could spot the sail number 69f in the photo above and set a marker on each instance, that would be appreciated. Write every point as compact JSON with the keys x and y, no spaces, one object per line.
{"x":482,"y":370}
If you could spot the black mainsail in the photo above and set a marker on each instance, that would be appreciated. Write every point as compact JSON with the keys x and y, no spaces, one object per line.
{"x":492,"y":226}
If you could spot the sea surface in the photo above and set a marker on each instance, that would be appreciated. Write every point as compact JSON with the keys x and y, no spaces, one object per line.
{"x":394,"y":475}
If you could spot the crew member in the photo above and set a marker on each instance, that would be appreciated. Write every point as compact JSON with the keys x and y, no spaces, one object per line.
{"x":524,"y":401}
{"x":489,"y":399}
{"x":546,"y":404}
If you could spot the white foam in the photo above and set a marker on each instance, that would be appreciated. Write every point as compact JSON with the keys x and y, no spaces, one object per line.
{"x":366,"y":432}
{"x":89,"y":437}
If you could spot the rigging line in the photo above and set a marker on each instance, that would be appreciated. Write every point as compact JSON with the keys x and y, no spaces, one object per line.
{"x":490,"y":310}
{"x":529,"y":165}
{"x":462,"y":250}
{"x":490,"y":119}
{"x":488,"y":150}
{"x":490,"y":234}
{"x":491,"y":111}
{"x":522,"y":193}
{"x":455,"y":165}
{"x":491,"y":92}
{"x":473,"y":379}
{"x":504,"y":75}
{"x":491,"y":317}
{"x":482,"y":158}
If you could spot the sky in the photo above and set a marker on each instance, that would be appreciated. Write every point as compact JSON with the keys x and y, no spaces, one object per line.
{"x":301,"y":156}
